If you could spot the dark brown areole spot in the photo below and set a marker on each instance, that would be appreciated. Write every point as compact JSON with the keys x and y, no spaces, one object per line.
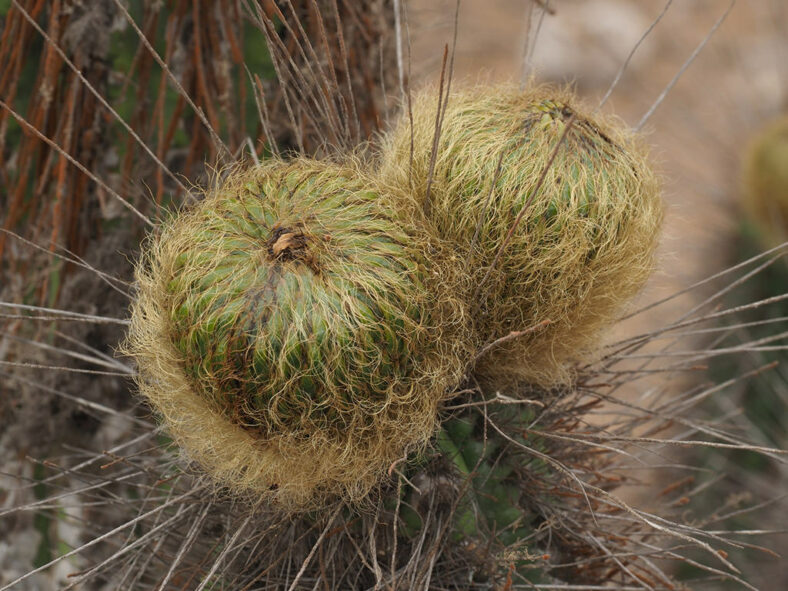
{"x":292,"y":244}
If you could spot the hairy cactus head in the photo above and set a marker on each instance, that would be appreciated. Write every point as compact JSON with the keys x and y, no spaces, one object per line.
{"x":585,"y":242}
{"x":295,"y":335}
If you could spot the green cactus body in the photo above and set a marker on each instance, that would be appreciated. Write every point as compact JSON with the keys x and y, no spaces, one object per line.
{"x":296,"y":303}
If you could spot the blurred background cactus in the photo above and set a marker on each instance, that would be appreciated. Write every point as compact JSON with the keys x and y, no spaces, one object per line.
{"x":112,"y":110}
{"x":765,"y":190}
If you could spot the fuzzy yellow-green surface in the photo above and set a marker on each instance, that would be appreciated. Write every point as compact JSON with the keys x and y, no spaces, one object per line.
{"x":297,"y":330}
{"x":586,"y":241}
{"x":766,"y":181}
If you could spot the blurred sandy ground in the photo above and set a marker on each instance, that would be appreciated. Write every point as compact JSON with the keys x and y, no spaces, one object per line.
{"x":738,"y":81}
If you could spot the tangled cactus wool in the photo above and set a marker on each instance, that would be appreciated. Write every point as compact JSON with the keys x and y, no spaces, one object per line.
{"x":290,"y":334}
{"x":766,"y":181}
{"x":584,"y":245}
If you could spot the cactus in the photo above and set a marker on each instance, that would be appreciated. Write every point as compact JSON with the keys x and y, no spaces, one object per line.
{"x":585,"y":242}
{"x":294,"y":333}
